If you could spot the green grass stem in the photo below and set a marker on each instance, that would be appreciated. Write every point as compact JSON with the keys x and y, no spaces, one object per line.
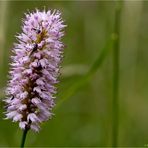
{"x":116,"y":66}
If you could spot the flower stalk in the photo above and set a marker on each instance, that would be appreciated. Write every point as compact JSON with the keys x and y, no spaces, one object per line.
{"x":24,"y":138}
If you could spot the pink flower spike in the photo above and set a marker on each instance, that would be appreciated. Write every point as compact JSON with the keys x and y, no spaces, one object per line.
{"x":34,"y":69}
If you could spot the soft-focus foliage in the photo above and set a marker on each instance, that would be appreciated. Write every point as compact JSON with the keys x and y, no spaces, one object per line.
{"x":84,"y":118}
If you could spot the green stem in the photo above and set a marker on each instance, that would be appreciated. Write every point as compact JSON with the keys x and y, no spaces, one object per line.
{"x":24,"y":137}
{"x":116,"y":65}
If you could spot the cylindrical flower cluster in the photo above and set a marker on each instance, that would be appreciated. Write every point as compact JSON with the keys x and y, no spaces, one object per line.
{"x":35,"y":69}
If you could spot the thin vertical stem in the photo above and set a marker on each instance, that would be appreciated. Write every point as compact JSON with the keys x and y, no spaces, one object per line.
{"x":116,"y":65}
{"x":4,"y":10}
{"x":3,"y":23}
{"x":24,"y":137}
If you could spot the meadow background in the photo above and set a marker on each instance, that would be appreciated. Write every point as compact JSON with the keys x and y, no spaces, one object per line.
{"x":83,"y":116}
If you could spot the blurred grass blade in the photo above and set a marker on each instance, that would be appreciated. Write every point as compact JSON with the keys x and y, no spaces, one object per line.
{"x":3,"y":23}
{"x":78,"y":84}
{"x":116,"y":66}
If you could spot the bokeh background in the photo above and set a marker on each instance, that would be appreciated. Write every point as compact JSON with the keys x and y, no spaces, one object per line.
{"x":83,"y":116}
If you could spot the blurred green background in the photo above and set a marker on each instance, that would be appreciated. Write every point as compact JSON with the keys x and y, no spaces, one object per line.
{"x":84,"y":118}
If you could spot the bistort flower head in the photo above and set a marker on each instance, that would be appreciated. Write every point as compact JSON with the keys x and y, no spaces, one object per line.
{"x":35,"y":69}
